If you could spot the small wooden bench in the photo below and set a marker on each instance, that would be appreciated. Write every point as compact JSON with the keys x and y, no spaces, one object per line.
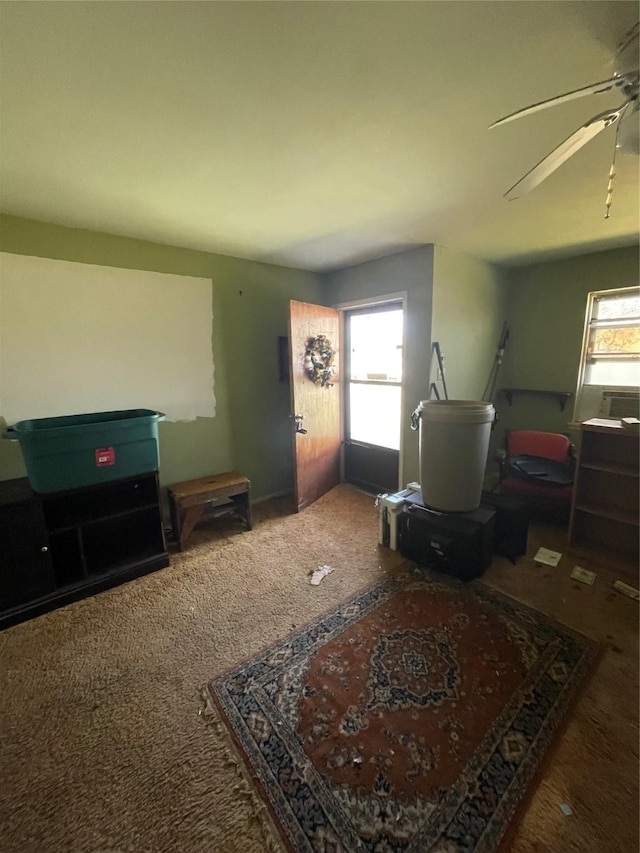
{"x":189,"y":500}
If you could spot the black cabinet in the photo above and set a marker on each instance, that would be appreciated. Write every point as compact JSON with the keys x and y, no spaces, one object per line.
{"x":26,"y":571}
{"x":459,"y":543}
{"x":76,"y":543}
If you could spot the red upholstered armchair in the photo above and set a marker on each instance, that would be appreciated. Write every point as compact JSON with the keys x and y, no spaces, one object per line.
{"x":539,"y":467}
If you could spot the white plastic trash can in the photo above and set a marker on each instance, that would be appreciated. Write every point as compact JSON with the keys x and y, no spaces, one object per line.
{"x":454,"y":444}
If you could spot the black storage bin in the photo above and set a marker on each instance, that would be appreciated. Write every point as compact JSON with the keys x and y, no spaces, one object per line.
{"x":511,"y":525}
{"x":460,"y":544}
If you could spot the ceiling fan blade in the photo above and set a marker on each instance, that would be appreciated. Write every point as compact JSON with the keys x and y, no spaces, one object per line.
{"x":562,"y":153}
{"x":628,"y":37}
{"x":617,"y":82}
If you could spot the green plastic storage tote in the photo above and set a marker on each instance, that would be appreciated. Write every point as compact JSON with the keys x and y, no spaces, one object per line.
{"x":81,"y":450}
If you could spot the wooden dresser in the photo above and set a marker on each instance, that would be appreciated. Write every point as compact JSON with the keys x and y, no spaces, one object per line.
{"x":605,"y":509}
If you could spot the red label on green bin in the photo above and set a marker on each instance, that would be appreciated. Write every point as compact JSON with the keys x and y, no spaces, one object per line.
{"x":105,"y":456}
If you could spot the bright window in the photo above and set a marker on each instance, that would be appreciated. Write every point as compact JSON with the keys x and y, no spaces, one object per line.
{"x":376,"y":346}
{"x":610,"y":351}
{"x":375,"y":414}
{"x":375,"y":376}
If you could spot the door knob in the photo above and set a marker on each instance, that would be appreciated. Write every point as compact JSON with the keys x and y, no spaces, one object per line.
{"x":298,"y":422}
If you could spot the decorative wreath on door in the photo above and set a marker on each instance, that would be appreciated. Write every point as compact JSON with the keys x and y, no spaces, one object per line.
{"x":319,"y":361}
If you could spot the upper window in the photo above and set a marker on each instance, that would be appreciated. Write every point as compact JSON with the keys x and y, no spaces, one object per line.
{"x":610,"y":352}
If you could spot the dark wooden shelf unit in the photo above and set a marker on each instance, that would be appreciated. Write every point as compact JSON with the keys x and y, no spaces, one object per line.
{"x":605,"y":515}
{"x":79,"y":542}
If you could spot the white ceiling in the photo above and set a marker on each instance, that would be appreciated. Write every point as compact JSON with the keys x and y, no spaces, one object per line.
{"x":314,"y":135}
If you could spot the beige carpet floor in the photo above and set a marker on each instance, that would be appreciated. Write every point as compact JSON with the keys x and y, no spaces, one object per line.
{"x":103,"y":746}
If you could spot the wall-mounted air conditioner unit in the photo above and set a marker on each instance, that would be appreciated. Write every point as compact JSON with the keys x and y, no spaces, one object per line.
{"x":619,"y":404}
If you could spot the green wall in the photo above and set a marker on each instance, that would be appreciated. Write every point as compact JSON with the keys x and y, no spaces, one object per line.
{"x":451,"y":298}
{"x":546,"y":310}
{"x":469,"y":308}
{"x":410,"y":272}
{"x":251,"y":430}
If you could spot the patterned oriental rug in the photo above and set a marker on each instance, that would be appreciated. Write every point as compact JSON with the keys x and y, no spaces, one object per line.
{"x":411,"y":718}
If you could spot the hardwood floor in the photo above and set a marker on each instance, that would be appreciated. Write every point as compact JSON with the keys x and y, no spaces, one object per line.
{"x":593,"y":764}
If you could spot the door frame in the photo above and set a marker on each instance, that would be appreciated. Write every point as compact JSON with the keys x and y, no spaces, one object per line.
{"x":375,"y":302}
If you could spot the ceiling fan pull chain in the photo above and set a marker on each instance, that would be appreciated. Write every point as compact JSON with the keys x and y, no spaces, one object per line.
{"x":612,"y":170}
{"x":607,"y":204}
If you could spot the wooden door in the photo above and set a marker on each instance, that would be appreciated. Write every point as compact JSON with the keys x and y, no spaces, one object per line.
{"x":316,"y":409}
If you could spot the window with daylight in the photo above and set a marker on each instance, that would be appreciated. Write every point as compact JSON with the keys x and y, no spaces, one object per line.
{"x":609,"y":375}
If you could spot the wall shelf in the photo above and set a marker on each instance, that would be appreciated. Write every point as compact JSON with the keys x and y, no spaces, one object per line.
{"x":561,"y":396}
